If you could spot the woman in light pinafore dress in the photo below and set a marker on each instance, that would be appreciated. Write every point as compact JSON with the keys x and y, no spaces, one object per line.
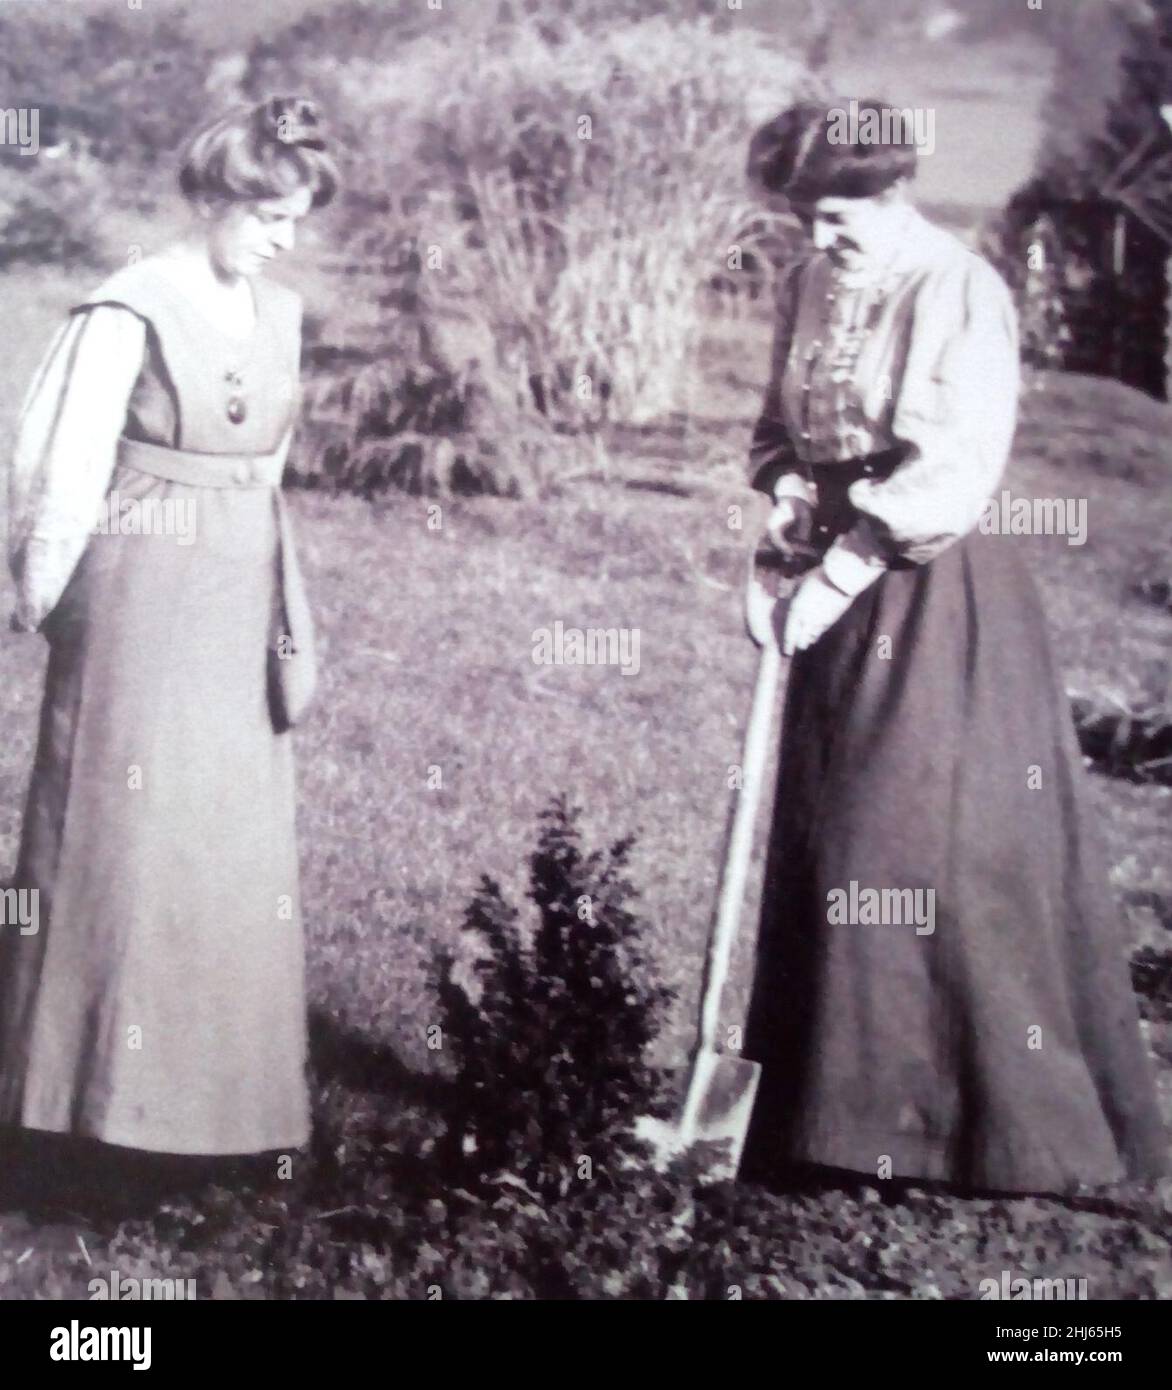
{"x":160,"y":1005}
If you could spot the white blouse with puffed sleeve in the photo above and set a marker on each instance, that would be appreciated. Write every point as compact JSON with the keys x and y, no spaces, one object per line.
{"x":65,"y":453}
{"x":920,"y":355}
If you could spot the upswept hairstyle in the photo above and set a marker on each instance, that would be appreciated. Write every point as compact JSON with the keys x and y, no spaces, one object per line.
{"x":828,"y":149}
{"x":256,"y":152}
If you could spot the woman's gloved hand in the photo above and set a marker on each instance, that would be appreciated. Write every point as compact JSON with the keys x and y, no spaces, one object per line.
{"x":790,"y":527}
{"x":815,"y":606}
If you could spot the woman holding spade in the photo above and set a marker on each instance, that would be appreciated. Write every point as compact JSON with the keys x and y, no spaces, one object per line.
{"x":942,"y":989}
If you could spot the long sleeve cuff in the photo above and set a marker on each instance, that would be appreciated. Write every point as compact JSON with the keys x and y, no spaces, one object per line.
{"x":44,"y":560}
{"x":795,"y":485}
{"x":21,"y":619}
{"x":855,"y":561}
{"x":770,"y":465}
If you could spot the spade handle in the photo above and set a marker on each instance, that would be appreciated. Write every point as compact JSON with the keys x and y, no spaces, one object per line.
{"x":739,"y":837}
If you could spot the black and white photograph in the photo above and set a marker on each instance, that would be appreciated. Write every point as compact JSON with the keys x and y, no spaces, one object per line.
{"x":586,"y":662}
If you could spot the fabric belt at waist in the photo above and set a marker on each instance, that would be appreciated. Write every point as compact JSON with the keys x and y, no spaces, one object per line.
{"x":837,"y":477}
{"x":202,"y":470}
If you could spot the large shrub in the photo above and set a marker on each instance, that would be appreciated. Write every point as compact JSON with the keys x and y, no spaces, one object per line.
{"x":555,"y":202}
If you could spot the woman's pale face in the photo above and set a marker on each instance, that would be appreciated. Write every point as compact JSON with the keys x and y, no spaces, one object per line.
{"x":243,"y":237}
{"x":850,"y":230}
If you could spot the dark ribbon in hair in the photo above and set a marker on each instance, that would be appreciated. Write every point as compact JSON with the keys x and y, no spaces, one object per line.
{"x":292,"y":121}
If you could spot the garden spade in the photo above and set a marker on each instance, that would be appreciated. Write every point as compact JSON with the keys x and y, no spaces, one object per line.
{"x":721,"y":1087}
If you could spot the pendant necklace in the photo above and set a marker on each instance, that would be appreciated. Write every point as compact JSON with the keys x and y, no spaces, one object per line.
{"x":237,"y":408}
{"x":237,"y":405}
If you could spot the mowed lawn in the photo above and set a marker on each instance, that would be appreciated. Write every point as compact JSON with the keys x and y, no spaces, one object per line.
{"x":428,"y":620}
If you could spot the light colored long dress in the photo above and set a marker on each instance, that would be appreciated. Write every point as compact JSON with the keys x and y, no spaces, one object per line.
{"x":161,"y":1004}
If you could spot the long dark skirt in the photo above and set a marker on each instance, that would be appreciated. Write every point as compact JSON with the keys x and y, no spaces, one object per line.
{"x":995,"y":1044}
